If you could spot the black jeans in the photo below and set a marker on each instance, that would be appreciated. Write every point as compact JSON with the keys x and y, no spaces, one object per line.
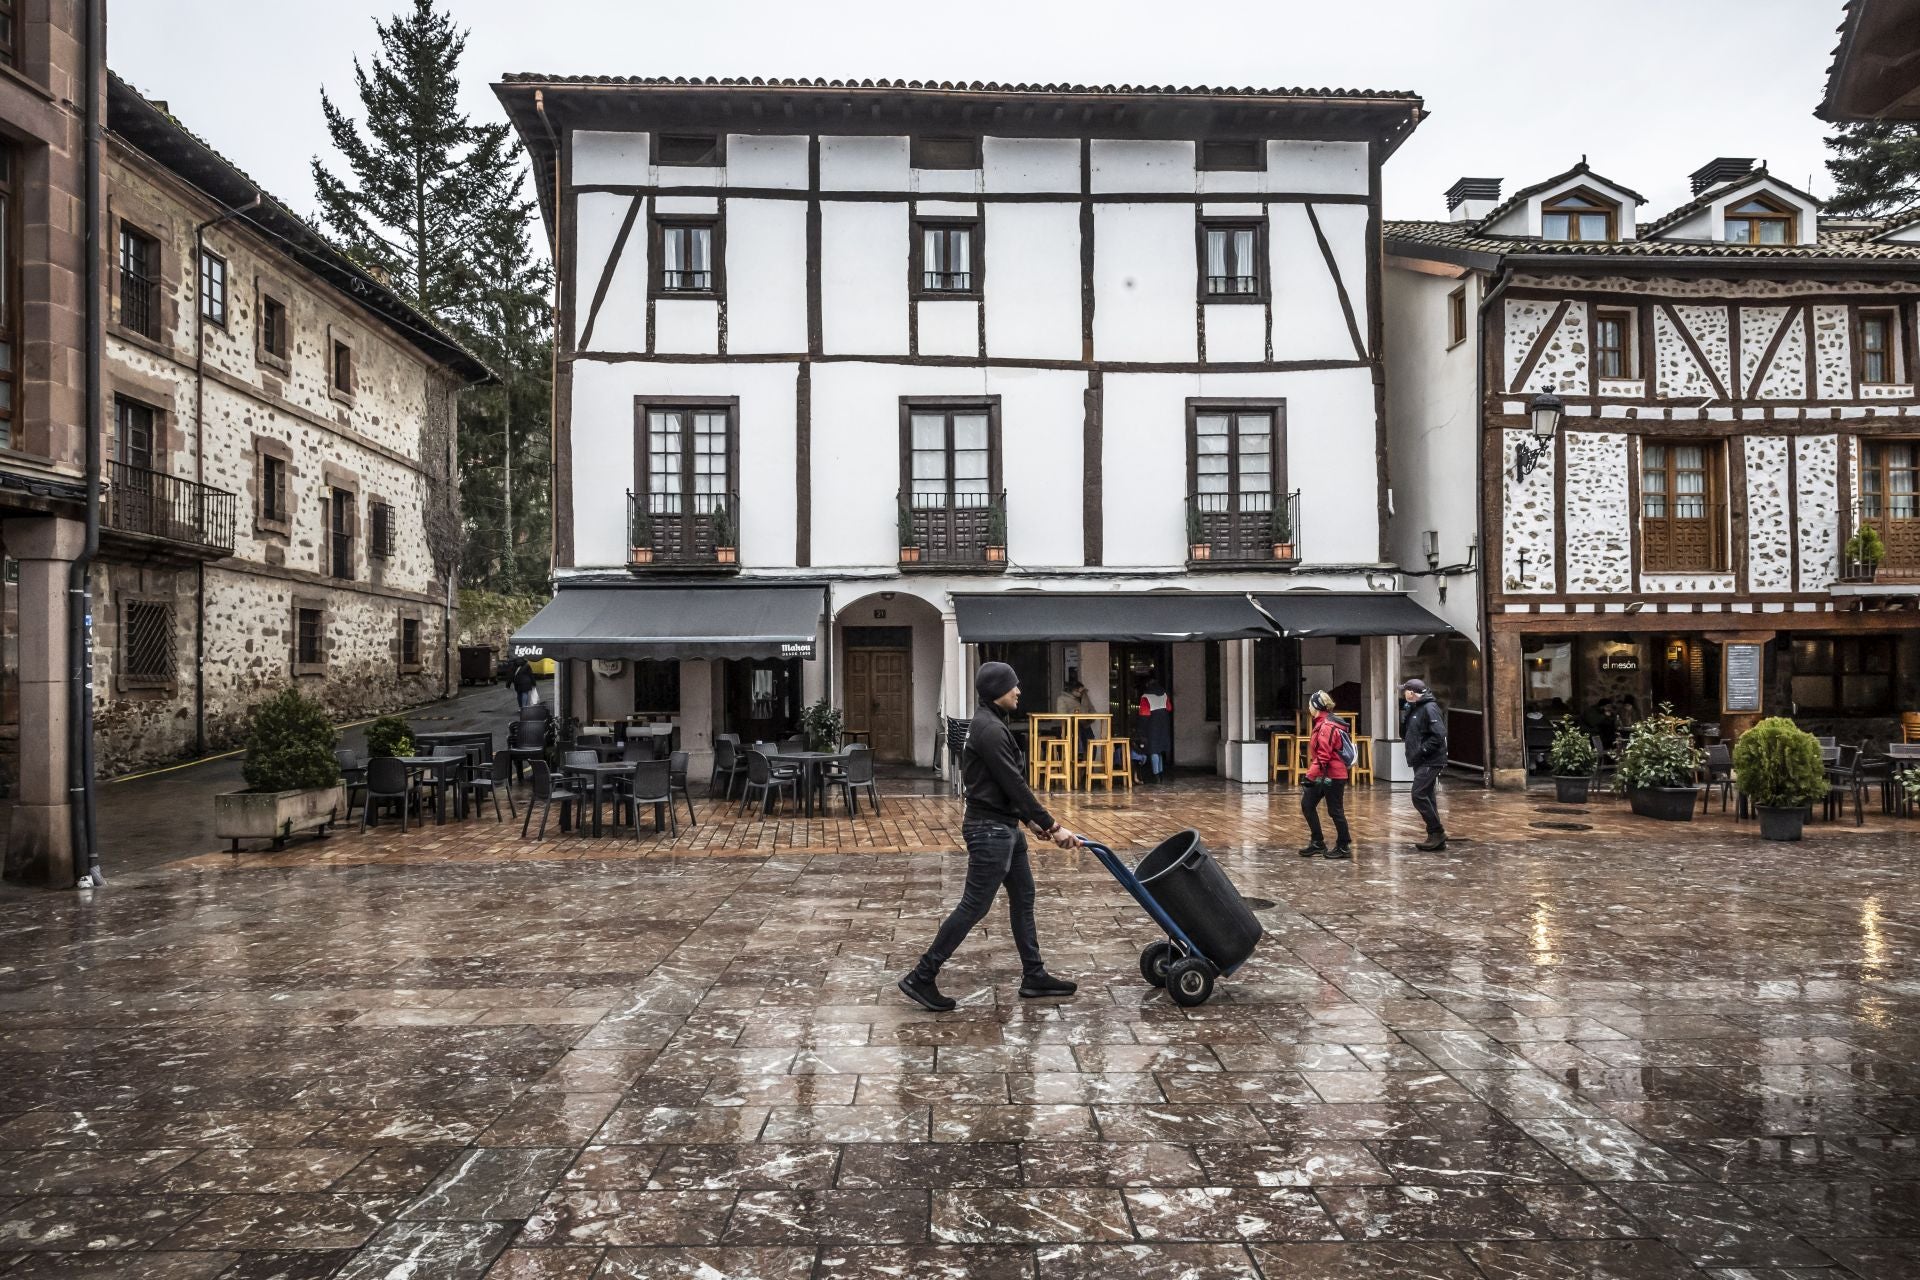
{"x":1424,"y":778}
{"x":996,"y":855}
{"x":1334,"y":792}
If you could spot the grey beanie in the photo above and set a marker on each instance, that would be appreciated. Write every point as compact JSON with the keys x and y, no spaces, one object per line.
{"x":1414,"y":686}
{"x":994,"y":680}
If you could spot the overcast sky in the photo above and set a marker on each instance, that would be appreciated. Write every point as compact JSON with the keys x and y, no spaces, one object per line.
{"x":1518,"y":89}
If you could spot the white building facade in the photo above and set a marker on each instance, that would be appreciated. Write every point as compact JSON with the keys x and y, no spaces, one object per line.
{"x":921,"y":350}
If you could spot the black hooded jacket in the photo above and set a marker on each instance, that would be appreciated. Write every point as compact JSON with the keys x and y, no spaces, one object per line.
{"x":1423,"y":727}
{"x":997,"y":789}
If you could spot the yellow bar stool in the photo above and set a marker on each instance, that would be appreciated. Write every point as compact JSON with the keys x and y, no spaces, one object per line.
{"x":1107,"y":763}
{"x":1281,"y":756}
{"x":1362,"y":770}
{"x":1051,"y":764}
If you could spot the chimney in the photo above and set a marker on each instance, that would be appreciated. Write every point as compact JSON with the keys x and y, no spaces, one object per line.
{"x":1719,"y":170}
{"x":1472,"y":199}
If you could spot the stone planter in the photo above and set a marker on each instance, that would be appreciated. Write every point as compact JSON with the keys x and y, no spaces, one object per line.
{"x":1668,"y":804}
{"x":275,"y":815}
{"x":1780,"y":824}
{"x":1571,"y":790}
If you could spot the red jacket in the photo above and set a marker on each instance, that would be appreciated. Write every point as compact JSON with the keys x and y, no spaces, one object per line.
{"x":1323,"y":752}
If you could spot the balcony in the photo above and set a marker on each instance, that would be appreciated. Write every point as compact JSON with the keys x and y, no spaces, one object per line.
{"x":1896,"y":518}
{"x":963,"y":532}
{"x":1240,"y":531}
{"x":163,"y":517}
{"x":1692,"y":539}
{"x":683,"y":533}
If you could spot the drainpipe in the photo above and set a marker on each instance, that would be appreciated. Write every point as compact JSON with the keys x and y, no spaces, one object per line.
{"x":200,"y":466}
{"x":86,"y":857}
{"x":1492,"y":541}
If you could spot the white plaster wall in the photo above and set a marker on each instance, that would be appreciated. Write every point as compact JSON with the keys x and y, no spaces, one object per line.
{"x":1128,"y":166}
{"x":1330,"y":167}
{"x":686,"y":326}
{"x":1757,"y":327}
{"x":949,"y":327}
{"x":1525,"y":318}
{"x":1144,"y":282}
{"x":1330,"y":458}
{"x":1817,"y":468}
{"x":1678,"y":373}
{"x":1832,"y":358}
{"x":603,"y":452}
{"x":1236,"y":331}
{"x":1345,"y":226}
{"x":767,"y":275}
{"x":971,"y":181}
{"x":856,"y":457}
{"x":1033,"y":280}
{"x":1769,"y":533}
{"x":1530,"y":520}
{"x":684,"y":204}
{"x":767,"y":160}
{"x":1030,"y":164}
{"x":1562,"y":366}
{"x":1685,"y":584}
{"x":863,"y":277}
{"x":1709,"y":327}
{"x":598,"y":218}
{"x":1787,"y":376}
{"x":1599,"y":523}
{"x":1433,"y":450}
{"x":1307,"y":322}
{"x":609,"y":158}
{"x":863,"y":164}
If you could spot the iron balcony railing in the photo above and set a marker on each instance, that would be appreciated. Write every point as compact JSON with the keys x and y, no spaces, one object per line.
{"x":686,"y":281}
{"x":947,"y":281}
{"x":954,"y":530}
{"x":157,"y":505}
{"x":1896,"y":518}
{"x":1243,"y":528}
{"x":683,"y":530}
{"x":1232,"y":286}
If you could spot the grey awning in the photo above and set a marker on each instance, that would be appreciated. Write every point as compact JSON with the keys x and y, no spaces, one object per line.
{"x":1332,"y":613}
{"x":724,"y":621}
{"x":1142,"y":616}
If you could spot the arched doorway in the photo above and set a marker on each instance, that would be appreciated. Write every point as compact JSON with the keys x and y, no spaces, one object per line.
{"x":888,"y":664}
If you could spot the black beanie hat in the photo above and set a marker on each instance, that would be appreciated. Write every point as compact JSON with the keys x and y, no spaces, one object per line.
{"x":993,"y":681}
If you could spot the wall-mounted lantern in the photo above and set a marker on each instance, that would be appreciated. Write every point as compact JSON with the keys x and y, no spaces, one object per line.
{"x":1544,"y":413}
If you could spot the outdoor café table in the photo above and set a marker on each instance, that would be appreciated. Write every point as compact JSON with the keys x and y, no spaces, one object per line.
{"x":441,"y":768}
{"x":809,"y":762}
{"x":476,"y":741}
{"x":601,"y":773}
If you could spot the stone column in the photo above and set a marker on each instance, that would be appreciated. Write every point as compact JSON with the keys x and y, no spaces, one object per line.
{"x":956,"y":677}
{"x":40,"y":840}
{"x":1506,"y":716}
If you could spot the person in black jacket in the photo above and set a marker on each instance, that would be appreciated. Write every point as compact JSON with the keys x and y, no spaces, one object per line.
{"x":998,"y":801}
{"x":521,"y":678}
{"x":1423,"y":728}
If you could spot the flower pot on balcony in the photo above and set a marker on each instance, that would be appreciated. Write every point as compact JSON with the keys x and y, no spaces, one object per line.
{"x":996,"y":555}
{"x":639,"y":555}
{"x":726,"y":555}
{"x":1860,"y":571}
{"x":1283,"y":551}
{"x":909,"y":555}
{"x":1200,"y":551}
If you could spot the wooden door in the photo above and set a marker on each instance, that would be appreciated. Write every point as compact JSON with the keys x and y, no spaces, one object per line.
{"x":879,"y":685}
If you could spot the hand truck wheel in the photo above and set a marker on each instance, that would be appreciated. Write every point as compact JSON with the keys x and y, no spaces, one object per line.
{"x":1189,"y":982}
{"x":1154,"y":961}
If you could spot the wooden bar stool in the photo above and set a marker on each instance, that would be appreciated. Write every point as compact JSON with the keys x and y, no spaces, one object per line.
{"x":1051,"y":764}
{"x":1362,"y":770}
{"x":1281,"y":755}
{"x":1108,"y":762}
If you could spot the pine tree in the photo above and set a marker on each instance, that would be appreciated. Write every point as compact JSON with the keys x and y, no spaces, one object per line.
{"x":438,"y":204}
{"x":1875,"y":168}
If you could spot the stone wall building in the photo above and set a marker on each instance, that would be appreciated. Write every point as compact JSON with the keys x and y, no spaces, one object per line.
{"x":1665,"y":432}
{"x":280,"y":494}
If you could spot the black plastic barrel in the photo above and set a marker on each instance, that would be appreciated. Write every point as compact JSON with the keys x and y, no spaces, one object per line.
{"x":1191,"y":888}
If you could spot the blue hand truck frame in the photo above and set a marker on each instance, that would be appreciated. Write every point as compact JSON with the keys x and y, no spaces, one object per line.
{"x":1177,"y":964}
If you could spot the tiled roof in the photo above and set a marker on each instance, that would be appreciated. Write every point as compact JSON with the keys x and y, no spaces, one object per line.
{"x":1521,"y":196}
{"x":1849,"y":240}
{"x":955,"y":86}
{"x":1758,"y":172}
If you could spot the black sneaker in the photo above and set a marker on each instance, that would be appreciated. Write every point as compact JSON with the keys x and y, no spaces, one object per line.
{"x":1434,"y":843}
{"x":1341,"y":853}
{"x":1040,"y":985}
{"x":1313,"y":849}
{"x":924,"y":993}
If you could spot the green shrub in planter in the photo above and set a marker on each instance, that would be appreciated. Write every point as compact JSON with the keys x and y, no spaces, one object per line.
{"x":290,"y":742}
{"x":1659,"y":752}
{"x":822,"y":723}
{"x":1865,"y":547}
{"x":1571,"y":753}
{"x":389,"y":736}
{"x":1779,"y":767}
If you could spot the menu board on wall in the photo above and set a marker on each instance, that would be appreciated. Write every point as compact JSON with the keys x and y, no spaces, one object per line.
{"x":1743,"y":667}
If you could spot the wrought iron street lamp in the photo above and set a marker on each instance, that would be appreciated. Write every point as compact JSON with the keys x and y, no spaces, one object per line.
{"x":1543,"y":413}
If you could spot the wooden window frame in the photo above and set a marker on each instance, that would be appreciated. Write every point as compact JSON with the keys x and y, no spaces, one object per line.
{"x":1836,"y":672}
{"x":11,"y":43}
{"x":657,"y":225}
{"x":1714,"y":460}
{"x":1456,"y":317}
{"x":10,"y":280}
{"x":332,"y":507}
{"x":317,"y":665}
{"x":922,"y":152}
{"x":129,"y":233}
{"x":976,"y":266}
{"x":1591,"y":202}
{"x":1628,"y":321}
{"x":949,"y":406}
{"x":1780,"y":213}
{"x":1208,"y":159}
{"x":156,"y":459}
{"x":1890,"y":350}
{"x":273,"y":334}
{"x":266,"y":519}
{"x":126,"y":678}
{"x":210,"y":312}
{"x":645,"y":406}
{"x":380,"y":533}
{"x":1261,"y":259}
{"x":714,"y":158}
{"x":337,"y":348}
{"x":410,"y":665}
{"x":1276,"y":410}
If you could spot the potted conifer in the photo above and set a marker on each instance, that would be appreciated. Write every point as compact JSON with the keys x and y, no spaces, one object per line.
{"x":1198,"y":548}
{"x":1657,"y":765}
{"x":1779,"y":767}
{"x":1282,"y":529}
{"x":909,"y":538}
{"x":726,"y":550}
{"x":1572,"y":756}
{"x":292,"y":775}
{"x":1864,"y":552}
{"x":996,"y":534}
{"x":640,"y":538}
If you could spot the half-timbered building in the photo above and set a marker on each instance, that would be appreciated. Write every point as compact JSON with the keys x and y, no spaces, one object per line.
{"x":1665,"y":432}
{"x":860,"y":383}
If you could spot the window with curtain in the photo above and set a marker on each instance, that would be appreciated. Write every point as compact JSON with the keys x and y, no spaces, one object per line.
{"x":1890,"y":499}
{"x":1680,"y":511}
{"x":689,"y":459}
{"x":1877,"y":363}
{"x":948,"y":252}
{"x":686,"y":254}
{"x":1233,"y":460}
{"x":1230,"y":265}
{"x":1613,"y":343}
{"x":1579,"y":216}
{"x":1759,"y":221}
{"x":952,"y":458}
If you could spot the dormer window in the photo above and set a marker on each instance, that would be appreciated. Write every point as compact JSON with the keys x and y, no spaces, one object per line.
{"x":1759,"y":221}
{"x":1579,"y":216}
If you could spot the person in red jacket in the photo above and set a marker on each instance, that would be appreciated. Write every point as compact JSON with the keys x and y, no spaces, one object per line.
{"x":1326,"y":780}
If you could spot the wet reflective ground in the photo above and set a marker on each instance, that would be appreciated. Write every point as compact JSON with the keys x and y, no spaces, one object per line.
{"x":1632,"y":1051}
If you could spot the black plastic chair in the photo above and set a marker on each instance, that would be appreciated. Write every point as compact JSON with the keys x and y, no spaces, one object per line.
{"x":1843,"y":778}
{"x":488,"y":786}
{"x":795,"y":743}
{"x":353,"y":772}
{"x":1717,"y":771}
{"x":580,"y":758}
{"x":728,"y":767}
{"x":386,"y":780}
{"x":762,"y":778}
{"x":545,"y":792}
{"x":651,"y":783}
{"x":677,"y":765}
{"x":857,"y":777}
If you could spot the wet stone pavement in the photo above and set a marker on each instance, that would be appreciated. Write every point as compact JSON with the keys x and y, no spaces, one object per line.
{"x":1633,"y":1052}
